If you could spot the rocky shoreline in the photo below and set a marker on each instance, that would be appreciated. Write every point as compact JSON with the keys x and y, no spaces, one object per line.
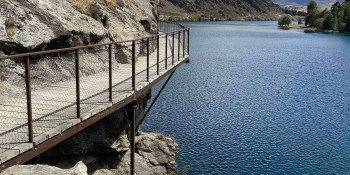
{"x":156,"y":155}
{"x":104,"y":149}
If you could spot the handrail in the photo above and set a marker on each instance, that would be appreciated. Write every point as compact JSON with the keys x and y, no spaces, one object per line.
{"x":31,"y":54}
{"x":169,"y":31}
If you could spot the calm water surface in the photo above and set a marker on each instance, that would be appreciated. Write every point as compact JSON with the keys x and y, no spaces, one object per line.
{"x":259,"y":100}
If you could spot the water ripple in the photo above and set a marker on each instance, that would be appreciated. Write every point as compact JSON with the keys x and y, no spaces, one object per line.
{"x":258,"y":100}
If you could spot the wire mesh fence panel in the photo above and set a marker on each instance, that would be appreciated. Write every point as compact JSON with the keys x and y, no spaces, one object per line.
{"x":122,"y":81}
{"x":94,"y":80}
{"x":141,"y":61}
{"x":53,"y":93}
{"x":13,"y":104}
{"x":153,"y":57}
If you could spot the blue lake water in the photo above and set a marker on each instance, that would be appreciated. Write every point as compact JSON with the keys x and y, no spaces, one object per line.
{"x":259,"y":100}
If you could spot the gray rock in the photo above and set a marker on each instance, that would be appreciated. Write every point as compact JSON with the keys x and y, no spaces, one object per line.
{"x":105,"y":172}
{"x":142,"y":167}
{"x":158,"y":149}
{"x":150,"y":158}
{"x":159,"y":170}
{"x":79,"y":169}
{"x":122,"y":144}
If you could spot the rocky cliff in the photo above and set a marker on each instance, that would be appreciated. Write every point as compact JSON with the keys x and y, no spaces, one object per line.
{"x":45,"y":24}
{"x":37,"y":25}
{"x":235,"y":9}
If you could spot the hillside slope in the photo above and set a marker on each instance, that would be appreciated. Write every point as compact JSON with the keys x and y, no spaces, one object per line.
{"x":237,"y":9}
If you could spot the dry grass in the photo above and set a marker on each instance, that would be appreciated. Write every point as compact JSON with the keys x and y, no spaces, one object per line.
{"x":112,"y":4}
{"x":67,"y":18}
{"x":10,"y":26}
{"x":84,"y":6}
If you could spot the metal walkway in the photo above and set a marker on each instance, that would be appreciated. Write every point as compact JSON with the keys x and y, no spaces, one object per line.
{"x":46,"y":112}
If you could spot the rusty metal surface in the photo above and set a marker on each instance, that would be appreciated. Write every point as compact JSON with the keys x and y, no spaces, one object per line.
{"x":32,"y":54}
{"x":166,"y":51}
{"x":29,"y":100}
{"x":147,"y":52}
{"x":77,"y":80}
{"x":155,"y":99}
{"x":132,"y":137}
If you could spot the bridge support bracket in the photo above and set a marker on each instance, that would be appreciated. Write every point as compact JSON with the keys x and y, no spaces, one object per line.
{"x":132,"y":137}
{"x":155,"y":99}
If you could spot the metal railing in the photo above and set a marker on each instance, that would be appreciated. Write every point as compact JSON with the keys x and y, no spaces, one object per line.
{"x":44,"y":94}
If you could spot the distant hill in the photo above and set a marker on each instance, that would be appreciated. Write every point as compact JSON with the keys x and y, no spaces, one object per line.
{"x":322,"y":3}
{"x":236,"y":9}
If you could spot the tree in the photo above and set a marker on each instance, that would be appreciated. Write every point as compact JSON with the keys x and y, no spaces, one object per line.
{"x":335,"y":23}
{"x":284,"y":21}
{"x":347,"y":19}
{"x":311,"y":6}
{"x":312,"y":13}
{"x":300,"y":20}
{"x":319,"y":23}
{"x":311,"y":18}
{"x":328,"y":23}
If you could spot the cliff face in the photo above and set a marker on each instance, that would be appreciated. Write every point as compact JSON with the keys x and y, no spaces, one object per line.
{"x":45,"y":24}
{"x":37,"y":25}
{"x":237,"y":9}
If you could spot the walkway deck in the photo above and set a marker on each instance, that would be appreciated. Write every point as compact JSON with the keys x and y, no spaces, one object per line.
{"x":55,"y":110}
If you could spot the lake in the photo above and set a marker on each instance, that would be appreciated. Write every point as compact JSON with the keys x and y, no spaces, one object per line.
{"x":259,"y":100}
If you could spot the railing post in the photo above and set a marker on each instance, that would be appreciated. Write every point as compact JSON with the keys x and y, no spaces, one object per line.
{"x":110,"y":73}
{"x":132,"y":138}
{"x":166,"y":51}
{"x":133,"y":63}
{"x":188,"y":41}
{"x":173,"y":50}
{"x":147,"y":59}
{"x":158,"y":55}
{"x":178,"y":45}
{"x":77,"y":82}
{"x":29,"y":100}
{"x":184,"y":42}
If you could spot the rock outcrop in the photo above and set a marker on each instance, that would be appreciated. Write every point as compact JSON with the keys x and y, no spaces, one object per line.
{"x":46,"y":24}
{"x":155,"y":155}
{"x":37,"y":25}
{"x":79,"y":169}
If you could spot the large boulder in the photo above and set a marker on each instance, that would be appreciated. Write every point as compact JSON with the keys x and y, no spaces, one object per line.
{"x":158,"y":150}
{"x":79,"y":169}
{"x":155,"y":155}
